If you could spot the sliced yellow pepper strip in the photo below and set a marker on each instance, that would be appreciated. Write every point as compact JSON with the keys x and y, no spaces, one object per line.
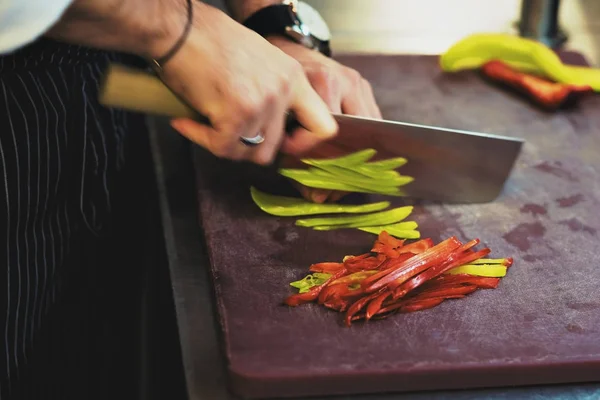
{"x":386,"y":165}
{"x":359,"y":221}
{"x":401,"y":230}
{"x":356,"y":158}
{"x":359,"y":172}
{"x":524,"y":54}
{"x":398,"y":233}
{"x":403,"y":226}
{"x":308,"y":179}
{"x":489,"y":261}
{"x":492,"y":271}
{"x":291,"y":206}
{"x":347,"y":177}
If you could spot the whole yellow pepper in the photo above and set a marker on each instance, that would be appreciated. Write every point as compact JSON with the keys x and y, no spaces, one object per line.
{"x":521,"y":53}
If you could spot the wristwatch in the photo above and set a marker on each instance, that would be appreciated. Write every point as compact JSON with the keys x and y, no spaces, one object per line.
{"x":295,"y":20}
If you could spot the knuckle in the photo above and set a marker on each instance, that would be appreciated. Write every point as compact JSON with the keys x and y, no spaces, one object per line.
{"x":366,"y":84}
{"x":284,"y":85}
{"x":295,"y":68}
{"x":270,"y":97}
{"x":326,"y":81}
{"x":353,"y":76}
{"x":322,"y":74}
{"x":246,"y":108}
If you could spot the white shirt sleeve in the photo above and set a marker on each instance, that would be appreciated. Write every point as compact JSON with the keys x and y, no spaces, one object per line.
{"x":23,"y":21}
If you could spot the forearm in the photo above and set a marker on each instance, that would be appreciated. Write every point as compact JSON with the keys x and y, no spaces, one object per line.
{"x":242,"y":9}
{"x":143,"y":27}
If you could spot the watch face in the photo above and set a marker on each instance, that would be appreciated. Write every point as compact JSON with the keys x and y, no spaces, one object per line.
{"x":314,"y":21}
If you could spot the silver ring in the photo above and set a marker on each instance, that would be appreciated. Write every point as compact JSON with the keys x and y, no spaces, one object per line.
{"x":253,"y":141}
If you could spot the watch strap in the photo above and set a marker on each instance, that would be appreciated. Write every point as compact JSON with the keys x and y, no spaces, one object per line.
{"x":274,"y":19}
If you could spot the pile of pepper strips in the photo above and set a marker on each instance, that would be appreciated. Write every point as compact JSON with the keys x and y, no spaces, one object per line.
{"x":394,"y":277}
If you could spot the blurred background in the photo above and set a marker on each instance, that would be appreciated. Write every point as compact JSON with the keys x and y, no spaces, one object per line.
{"x":431,"y":26}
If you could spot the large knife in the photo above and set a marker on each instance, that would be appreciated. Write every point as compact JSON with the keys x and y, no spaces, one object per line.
{"x":448,"y":165}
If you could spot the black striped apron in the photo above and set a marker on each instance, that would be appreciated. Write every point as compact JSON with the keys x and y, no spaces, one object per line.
{"x":60,"y":153}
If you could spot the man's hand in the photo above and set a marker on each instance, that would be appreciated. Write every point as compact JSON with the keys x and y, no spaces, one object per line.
{"x":244,"y":86}
{"x":228,"y":73}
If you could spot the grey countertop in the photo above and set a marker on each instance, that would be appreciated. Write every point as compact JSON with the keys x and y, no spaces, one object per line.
{"x":204,"y":365}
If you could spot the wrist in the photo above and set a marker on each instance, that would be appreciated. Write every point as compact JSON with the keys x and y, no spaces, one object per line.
{"x":170,"y":21}
{"x":142,"y":27}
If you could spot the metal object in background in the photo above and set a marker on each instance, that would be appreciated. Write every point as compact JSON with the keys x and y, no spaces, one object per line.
{"x":539,"y":21}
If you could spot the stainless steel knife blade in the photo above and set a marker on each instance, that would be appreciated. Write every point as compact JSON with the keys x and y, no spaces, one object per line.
{"x":448,"y":165}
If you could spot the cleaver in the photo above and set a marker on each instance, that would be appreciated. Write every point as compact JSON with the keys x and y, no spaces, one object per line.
{"x":448,"y":165}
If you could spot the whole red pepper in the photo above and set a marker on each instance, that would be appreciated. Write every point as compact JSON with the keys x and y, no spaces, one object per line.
{"x":544,"y":93}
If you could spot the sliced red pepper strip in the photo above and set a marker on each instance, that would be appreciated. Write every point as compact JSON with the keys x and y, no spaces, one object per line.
{"x":388,"y":239}
{"x":386,"y":267}
{"x":375,"y":304}
{"x":446,"y":293}
{"x":336,"y":304}
{"x":417,"y":247}
{"x":356,"y":277}
{"x":385,"y":240}
{"x":411,"y":305}
{"x":328,"y":292}
{"x":421,"y":305}
{"x":396,"y":261}
{"x":482,"y":282}
{"x":357,"y":306}
{"x":363,"y":264}
{"x":352,"y":294}
{"x":436,"y":270}
{"x":417,"y":264}
{"x":358,"y":257}
{"x":326,"y":267}
{"x":383,"y":248}
{"x":303,"y":298}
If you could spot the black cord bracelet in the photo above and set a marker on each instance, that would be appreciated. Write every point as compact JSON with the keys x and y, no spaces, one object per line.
{"x":158,"y":63}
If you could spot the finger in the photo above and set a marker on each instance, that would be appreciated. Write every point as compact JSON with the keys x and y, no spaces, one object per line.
{"x":304,"y":191}
{"x":319,"y":195}
{"x":313,"y":114}
{"x":273,"y":132}
{"x":327,"y":86}
{"x":354,"y":102}
{"x":370,"y":100}
{"x":209,"y":138}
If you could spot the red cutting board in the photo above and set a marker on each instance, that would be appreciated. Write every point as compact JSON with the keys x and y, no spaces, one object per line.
{"x":541,"y":325}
